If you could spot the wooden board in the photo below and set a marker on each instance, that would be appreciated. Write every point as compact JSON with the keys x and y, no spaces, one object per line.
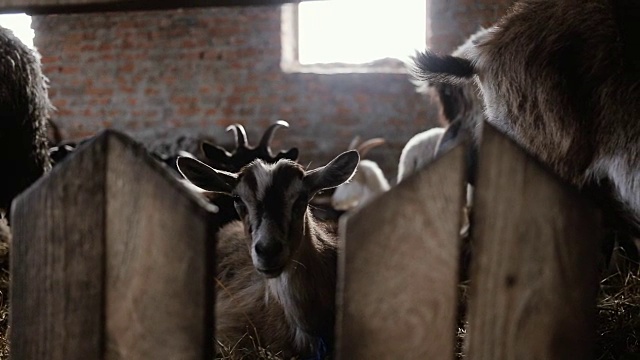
{"x":534,"y":278}
{"x":57,"y":262}
{"x":397,"y":292}
{"x":113,"y":259}
{"x":160,"y":255}
{"x":38,"y":7}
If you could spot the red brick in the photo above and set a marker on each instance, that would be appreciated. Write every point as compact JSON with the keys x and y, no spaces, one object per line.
{"x":209,"y":68}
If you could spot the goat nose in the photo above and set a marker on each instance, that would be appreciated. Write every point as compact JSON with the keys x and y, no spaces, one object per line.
{"x":268,"y":249}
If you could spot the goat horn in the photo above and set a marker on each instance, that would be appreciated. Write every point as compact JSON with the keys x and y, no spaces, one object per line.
{"x":364,"y":148}
{"x":268,"y":134}
{"x":241,"y":135}
{"x":354,"y":142}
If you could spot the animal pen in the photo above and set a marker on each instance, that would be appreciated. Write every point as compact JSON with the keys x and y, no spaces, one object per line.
{"x":121,"y":264}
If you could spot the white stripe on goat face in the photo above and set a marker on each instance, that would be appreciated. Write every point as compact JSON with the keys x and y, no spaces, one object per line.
{"x":269,"y":193}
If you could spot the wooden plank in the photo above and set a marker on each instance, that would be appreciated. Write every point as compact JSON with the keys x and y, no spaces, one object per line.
{"x":57,"y":262}
{"x":398,"y":268}
{"x":112,"y":258}
{"x":159,"y":269}
{"x":40,"y":7}
{"x":534,"y":278}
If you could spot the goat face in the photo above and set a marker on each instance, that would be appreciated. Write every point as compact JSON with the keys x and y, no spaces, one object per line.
{"x":272,"y":201}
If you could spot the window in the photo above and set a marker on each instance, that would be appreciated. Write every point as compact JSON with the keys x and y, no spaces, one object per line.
{"x":20,"y":24}
{"x":352,"y":35}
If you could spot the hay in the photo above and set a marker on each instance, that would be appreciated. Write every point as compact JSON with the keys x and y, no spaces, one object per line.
{"x":619,"y":316}
{"x":256,"y":352}
{"x":618,"y":310}
{"x":5,"y":240}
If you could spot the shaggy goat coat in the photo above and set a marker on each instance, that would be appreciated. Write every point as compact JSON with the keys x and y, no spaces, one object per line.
{"x":562,"y":77}
{"x":24,"y":110}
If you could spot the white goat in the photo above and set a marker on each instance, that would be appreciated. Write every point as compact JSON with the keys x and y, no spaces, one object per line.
{"x":418,"y":151}
{"x":368,"y":182}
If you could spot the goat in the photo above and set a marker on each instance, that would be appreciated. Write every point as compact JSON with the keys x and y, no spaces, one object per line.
{"x":63,"y":149}
{"x":24,"y":110}
{"x":368,"y":182}
{"x":462,"y":109}
{"x":418,"y":151}
{"x":461,"y":101}
{"x":563,"y":80}
{"x":215,"y":156}
{"x":58,"y":148}
{"x":277,"y":267}
{"x":170,"y":160}
{"x":243,"y":153}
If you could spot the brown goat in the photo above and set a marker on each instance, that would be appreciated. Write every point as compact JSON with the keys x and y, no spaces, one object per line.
{"x":277,"y":267}
{"x":562,"y":78}
{"x":460,"y":102}
{"x":24,"y":110}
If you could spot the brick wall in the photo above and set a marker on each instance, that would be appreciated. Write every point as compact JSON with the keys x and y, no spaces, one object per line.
{"x":159,"y":75}
{"x":452,"y":21}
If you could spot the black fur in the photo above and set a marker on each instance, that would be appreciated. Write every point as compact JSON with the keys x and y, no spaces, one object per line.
{"x":244,"y":153}
{"x":24,"y":111}
{"x":429,"y":66}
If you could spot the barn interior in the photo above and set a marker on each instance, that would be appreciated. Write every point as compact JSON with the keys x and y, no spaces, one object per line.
{"x":162,"y":75}
{"x":173,"y":75}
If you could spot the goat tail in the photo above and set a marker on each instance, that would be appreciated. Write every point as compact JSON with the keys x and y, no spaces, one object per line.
{"x":431,"y":67}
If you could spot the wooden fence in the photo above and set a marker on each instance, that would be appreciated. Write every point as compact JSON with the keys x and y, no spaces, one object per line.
{"x":113,"y":259}
{"x":533,"y":278}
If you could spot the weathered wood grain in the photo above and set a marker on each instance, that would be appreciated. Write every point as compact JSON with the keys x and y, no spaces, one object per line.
{"x":113,"y":259}
{"x":534,"y":279}
{"x":38,"y":7}
{"x":399,"y":266}
{"x":57,"y":262}
{"x":159,"y":268}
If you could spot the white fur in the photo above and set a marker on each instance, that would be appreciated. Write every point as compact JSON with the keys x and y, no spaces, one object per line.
{"x":263,"y":178}
{"x":418,"y":151}
{"x":367,"y":183}
{"x":625,"y":178}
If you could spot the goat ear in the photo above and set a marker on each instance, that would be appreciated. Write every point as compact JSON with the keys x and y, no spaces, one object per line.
{"x":206,"y":177}
{"x":452,"y":135}
{"x":291,"y":154}
{"x":431,"y":67}
{"x":336,"y":172}
{"x":215,"y":153}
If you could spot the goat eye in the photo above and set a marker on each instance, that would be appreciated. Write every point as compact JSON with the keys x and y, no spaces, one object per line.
{"x":241,"y":207}
{"x":237,"y":201}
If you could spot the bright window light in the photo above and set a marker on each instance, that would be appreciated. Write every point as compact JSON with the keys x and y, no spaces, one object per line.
{"x":20,"y":24}
{"x":360,"y":31}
